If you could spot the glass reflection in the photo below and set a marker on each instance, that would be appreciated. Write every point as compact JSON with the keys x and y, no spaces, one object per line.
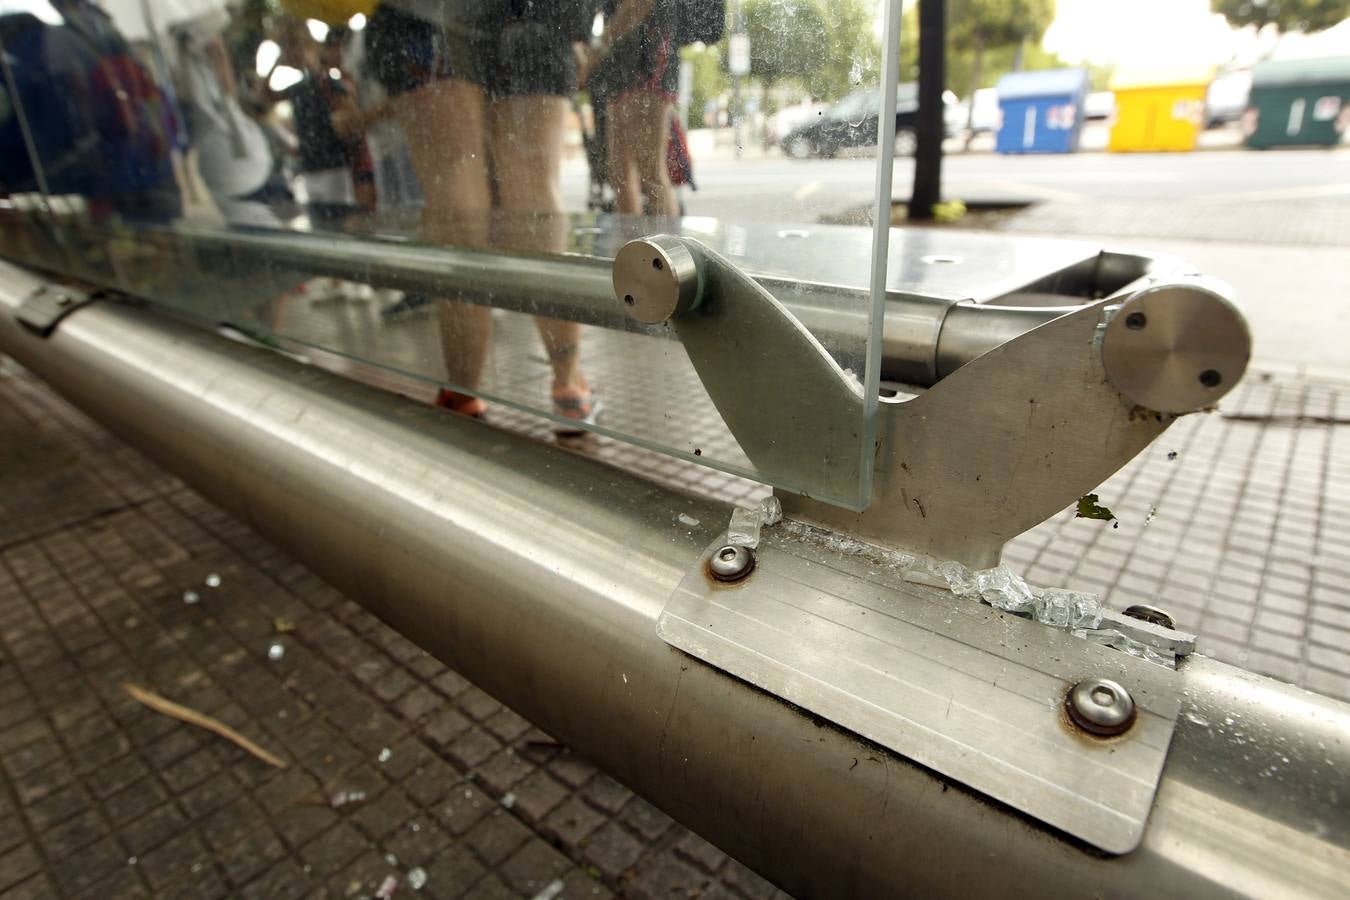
{"x":136,"y":130}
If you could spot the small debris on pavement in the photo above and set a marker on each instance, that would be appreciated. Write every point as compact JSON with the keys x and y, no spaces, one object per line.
{"x":190,"y":597}
{"x":417,"y":878}
{"x":553,"y":889}
{"x":276,"y":652}
{"x":387,"y":888}
{"x":391,"y":859}
{"x":385,"y":755}
{"x":508,"y":800}
{"x":201,"y":720}
{"x":1089,"y":507}
{"x":213,"y":580}
{"x":282,"y":625}
{"x":344,"y":798}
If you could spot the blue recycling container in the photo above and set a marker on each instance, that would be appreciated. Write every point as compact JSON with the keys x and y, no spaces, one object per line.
{"x":1041,"y":112}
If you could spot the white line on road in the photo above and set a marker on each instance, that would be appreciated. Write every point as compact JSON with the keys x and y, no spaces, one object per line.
{"x":806,"y":190}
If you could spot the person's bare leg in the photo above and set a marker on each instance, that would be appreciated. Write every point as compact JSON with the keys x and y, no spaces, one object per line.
{"x":623,"y":150}
{"x":527,"y":140}
{"x":645,"y":133}
{"x":445,"y":123}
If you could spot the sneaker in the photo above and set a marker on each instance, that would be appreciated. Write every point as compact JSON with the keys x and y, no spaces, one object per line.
{"x":579,"y":404}
{"x":473,"y":407}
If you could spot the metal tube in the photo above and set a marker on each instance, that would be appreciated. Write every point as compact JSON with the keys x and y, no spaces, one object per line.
{"x":539,"y":574}
{"x":580,"y":290}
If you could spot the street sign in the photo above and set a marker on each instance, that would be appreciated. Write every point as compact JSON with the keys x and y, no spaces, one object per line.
{"x":738,"y":53}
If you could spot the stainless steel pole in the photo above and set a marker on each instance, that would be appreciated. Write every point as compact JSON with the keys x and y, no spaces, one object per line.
{"x":539,"y":574}
{"x":580,"y":290}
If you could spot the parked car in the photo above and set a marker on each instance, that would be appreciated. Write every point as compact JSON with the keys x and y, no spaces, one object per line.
{"x":1099,"y":105}
{"x":1227,"y":98}
{"x":852,"y":122}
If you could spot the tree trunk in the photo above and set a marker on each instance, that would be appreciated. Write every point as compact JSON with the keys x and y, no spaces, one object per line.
{"x":932,"y":64}
{"x":976,"y":70}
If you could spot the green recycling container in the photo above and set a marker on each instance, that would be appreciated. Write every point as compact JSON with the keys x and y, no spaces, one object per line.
{"x":1298,"y":102}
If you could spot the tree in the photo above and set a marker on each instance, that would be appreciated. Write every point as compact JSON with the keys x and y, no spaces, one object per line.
{"x":979,"y":25}
{"x":849,"y":56}
{"x":708,"y":82}
{"x":1285,"y":15}
{"x":785,"y":38}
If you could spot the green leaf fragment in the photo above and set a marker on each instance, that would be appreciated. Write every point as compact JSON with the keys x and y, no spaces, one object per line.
{"x":1089,"y":508}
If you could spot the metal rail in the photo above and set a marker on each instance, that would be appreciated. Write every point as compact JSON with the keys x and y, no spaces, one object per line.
{"x":540,"y":574}
{"x":919,"y":346}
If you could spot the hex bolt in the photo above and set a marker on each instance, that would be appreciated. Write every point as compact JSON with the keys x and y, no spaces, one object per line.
{"x":731,"y":562}
{"x":1151,"y":614}
{"x":1101,"y":706}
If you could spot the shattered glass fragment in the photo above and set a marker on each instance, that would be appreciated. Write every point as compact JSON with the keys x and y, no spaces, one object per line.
{"x":1116,"y":640}
{"x":770,"y":510}
{"x":744,"y":527}
{"x":190,"y":597}
{"x":1002,"y":588}
{"x":386,"y":888}
{"x":960,"y":579}
{"x":276,"y":652}
{"x":213,"y":580}
{"x":417,"y":878}
{"x":1067,"y":609}
{"x":385,"y":755}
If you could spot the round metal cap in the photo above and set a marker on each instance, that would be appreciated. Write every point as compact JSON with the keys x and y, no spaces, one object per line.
{"x":1151,"y":614}
{"x":731,"y":562}
{"x":656,"y":279}
{"x":1176,"y":348}
{"x":1101,"y":706}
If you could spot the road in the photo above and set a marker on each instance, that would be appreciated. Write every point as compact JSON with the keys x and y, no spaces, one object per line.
{"x":771,"y":188}
{"x":1275,"y":225}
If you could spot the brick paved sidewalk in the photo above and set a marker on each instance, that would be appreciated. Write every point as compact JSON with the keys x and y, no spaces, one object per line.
{"x":104,"y":798}
{"x":1237,"y":521}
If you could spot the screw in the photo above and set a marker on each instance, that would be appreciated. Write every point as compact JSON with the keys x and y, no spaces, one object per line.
{"x":1135,"y":321}
{"x":1101,"y":706}
{"x":1151,"y":614}
{"x":732,"y":562}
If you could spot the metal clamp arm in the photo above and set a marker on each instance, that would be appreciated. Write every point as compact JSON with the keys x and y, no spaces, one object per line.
{"x":795,"y":412}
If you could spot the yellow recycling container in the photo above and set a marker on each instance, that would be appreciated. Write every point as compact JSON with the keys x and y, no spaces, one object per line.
{"x":1159,"y":109}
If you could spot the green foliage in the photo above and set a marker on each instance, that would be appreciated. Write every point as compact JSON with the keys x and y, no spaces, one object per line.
{"x":997,"y":23}
{"x":850,"y":55}
{"x":826,"y":47}
{"x":1286,"y":15}
{"x":709,"y":79}
{"x":785,"y":38}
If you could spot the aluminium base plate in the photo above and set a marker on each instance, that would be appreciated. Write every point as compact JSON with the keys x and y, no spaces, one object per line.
{"x":974,"y":693}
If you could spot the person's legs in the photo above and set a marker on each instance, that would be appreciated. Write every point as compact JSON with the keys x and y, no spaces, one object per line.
{"x":623,"y":152}
{"x":651,"y":123}
{"x":527,"y":140}
{"x":445,"y":125}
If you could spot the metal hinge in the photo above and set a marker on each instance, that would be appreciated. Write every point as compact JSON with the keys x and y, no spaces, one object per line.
{"x":42,"y":310}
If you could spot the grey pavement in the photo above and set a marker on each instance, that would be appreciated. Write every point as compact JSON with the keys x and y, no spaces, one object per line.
{"x":398,"y":768}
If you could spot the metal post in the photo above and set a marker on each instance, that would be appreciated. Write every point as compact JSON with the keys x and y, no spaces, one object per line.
{"x":539,"y":574}
{"x":932,"y":69}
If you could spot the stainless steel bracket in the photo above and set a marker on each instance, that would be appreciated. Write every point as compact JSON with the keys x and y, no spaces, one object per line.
{"x":42,"y":310}
{"x":993,"y":448}
{"x":973,"y":693}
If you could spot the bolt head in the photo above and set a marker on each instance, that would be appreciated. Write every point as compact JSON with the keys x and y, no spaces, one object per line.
{"x":1101,"y":706}
{"x":1151,"y":614}
{"x":731,"y":562}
